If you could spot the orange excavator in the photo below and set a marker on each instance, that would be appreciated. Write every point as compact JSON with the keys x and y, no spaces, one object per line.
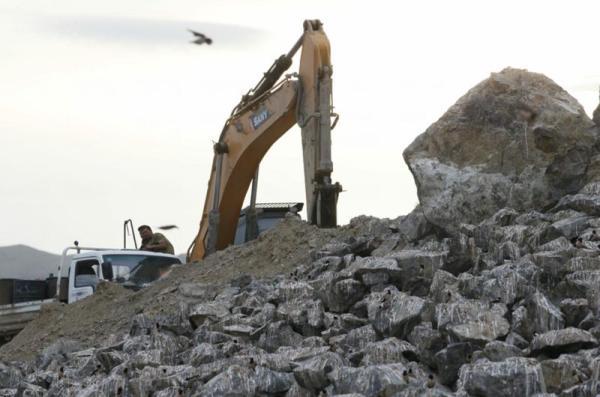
{"x":263,"y":115}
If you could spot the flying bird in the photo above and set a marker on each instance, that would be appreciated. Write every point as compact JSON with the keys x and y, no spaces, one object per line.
{"x":168,"y":227}
{"x":200,"y":38}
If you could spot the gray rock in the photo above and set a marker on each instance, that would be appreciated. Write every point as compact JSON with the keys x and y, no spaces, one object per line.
{"x":578,"y":263}
{"x":204,"y":353}
{"x":298,"y":391}
{"x":463,"y":254}
{"x":305,"y":316}
{"x":326,"y":264}
{"x":234,"y":381}
{"x":147,"y":358}
{"x":336,"y":248}
{"x":109,"y":386}
{"x":450,"y":359}
{"x":9,"y":377}
{"x":590,"y":388}
{"x":589,"y":322}
{"x":312,"y":374}
{"x":414,"y":226}
{"x":203,"y":335}
{"x":337,"y":292}
{"x":546,"y":144}
{"x":389,"y":351}
{"x":64,"y":387}
{"x":543,"y":314}
{"x":58,"y":351}
{"x":586,"y":203}
{"x":566,"y":340}
{"x":499,"y":351}
{"x":359,"y":338}
{"x":349,"y":321}
{"x":157,"y":347}
{"x":505,"y":284}
{"x":461,"y":312}
{"x":313,"y":341}
{"x":554,"y":263}
{"x":41,"y":378}
{"x":272,"y":382}
{"x":240,"y":330}
{"x":29,"y":390}
{"x":300,"y":353}
{"x":170,"y":392}
{"x":418,"y":262}
{"x":370,"y":381}
{"x":517,"y":340}
{"x":586,"y":279}
{"x":394,"y":313}
{"x":574,"y":311}
{"x":572,"y":226}
{"x":89,"y":367}
{"x":212,"y":312}
{"x":198,"y":291}
{"x":294,"y":290}
{"x":428,"y":342}
{"x":558,"y":244}
{"x":372,"y":270}
{"x":110,"y":359}
{"x":563,"y":372}
{"x":488,"y":327}
{"x":532,"y":218}
{"x":278,"y":334}
{"x":443,"y":286}
{"x":176,"y":323}
{"x":390,"y":244}
{"x":515,"y":376}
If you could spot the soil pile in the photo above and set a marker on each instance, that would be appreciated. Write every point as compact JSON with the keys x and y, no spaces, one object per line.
{"x":109,"y":311}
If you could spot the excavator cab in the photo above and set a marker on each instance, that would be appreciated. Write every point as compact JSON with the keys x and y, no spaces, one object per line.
{"x":263,"y":115}
{"x":266,"y":216}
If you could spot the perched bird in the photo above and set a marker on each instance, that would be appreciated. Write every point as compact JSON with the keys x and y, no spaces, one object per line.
{"x":168,"y":227}
{"x":200,"y":38}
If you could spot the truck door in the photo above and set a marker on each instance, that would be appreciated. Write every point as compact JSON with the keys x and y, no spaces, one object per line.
{"x":83,"y":278}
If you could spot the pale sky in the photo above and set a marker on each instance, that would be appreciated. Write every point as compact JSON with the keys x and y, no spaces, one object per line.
{"x":107,"y":112}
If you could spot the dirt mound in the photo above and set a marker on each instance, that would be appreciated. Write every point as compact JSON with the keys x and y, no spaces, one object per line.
{"x":109,"y":311}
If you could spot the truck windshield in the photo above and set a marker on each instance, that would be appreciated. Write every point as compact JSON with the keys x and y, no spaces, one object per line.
{"x":137,"y":271}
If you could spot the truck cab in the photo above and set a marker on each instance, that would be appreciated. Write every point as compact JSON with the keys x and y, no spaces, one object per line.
{"x":131,"y":268}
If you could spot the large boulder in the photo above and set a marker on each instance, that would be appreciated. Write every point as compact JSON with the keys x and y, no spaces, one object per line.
{"x":515,"y":140}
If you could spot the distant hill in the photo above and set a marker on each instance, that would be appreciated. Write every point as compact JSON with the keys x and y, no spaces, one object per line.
{"x":23,"y":262}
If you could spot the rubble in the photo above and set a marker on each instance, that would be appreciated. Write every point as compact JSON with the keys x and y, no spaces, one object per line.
{"x":481,"y":294}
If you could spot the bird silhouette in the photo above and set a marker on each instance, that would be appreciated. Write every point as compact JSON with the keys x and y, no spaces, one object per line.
{"x":200,"y":38}
{"x":168,"y":227}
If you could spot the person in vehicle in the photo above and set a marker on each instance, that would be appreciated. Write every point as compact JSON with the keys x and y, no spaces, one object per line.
{"x":155,"y":242}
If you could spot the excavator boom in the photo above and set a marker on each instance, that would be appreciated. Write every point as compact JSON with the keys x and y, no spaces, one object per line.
{"x":263,"y":115}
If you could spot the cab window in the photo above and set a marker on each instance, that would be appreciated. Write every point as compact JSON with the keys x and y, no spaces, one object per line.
{"x":86,"y":273}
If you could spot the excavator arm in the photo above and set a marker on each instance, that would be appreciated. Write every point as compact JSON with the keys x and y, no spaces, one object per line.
{"x":264,"y":114}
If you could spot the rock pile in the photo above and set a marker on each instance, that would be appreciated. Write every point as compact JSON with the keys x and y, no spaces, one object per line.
{"x":500,"y":303}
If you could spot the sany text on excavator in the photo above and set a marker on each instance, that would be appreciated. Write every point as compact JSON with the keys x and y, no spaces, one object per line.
{"x":263,"y":115}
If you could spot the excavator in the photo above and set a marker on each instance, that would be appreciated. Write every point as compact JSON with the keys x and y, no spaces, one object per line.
{"x":262,"y":116}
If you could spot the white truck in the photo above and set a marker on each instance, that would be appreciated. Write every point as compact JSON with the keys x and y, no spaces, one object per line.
{"x":133,"y":269}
